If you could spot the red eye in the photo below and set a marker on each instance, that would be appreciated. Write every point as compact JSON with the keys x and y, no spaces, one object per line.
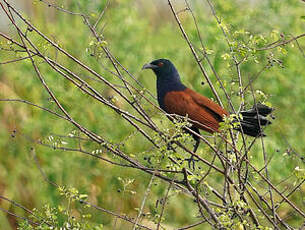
{"x":160,"y":64}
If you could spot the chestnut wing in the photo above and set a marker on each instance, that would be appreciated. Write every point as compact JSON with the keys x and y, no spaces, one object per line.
{"x":182,"y":103}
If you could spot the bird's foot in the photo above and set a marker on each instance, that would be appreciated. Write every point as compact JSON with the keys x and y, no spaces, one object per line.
{"x":191,"y":162}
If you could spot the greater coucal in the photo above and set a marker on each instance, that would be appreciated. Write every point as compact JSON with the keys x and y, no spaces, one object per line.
{"x":176,"y":98}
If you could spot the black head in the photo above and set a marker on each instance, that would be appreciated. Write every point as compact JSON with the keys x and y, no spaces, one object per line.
{"x":161,"y":67}
{"x":168,"y":78}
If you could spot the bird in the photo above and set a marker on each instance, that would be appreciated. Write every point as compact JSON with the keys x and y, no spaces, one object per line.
{"x":204,"y":114}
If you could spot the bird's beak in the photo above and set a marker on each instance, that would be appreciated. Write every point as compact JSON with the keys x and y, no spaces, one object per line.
{"x":149,"y":66}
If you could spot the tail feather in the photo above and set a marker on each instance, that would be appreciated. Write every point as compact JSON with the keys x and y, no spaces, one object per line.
{"x":255,"y":119}
{"x":262,"y":120}
{"x":260,"y":109}
{"x":250,"y":129}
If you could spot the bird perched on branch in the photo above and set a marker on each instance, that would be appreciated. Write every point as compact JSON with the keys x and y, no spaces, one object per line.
{"x":205,"y":114}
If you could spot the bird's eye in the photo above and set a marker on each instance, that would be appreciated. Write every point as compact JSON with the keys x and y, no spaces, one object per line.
{"x":160,"y":64}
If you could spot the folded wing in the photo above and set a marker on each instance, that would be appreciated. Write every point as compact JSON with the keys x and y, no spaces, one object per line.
{"x":204,"y":113}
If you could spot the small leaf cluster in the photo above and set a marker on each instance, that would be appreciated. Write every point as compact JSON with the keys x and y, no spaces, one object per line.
{"x":95,"y":48}
{"x":230,"y":122}
{"x":126,"y":184}
{"x":60,"y":217}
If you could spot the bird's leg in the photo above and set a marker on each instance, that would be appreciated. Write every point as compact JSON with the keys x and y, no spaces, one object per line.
{"x":196,"y":145}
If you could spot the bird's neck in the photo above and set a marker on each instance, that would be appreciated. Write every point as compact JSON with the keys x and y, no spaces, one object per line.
{"x":167,"y":84}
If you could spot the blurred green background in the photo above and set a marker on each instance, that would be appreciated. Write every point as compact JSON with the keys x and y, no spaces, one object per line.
{"x":137,"y":32}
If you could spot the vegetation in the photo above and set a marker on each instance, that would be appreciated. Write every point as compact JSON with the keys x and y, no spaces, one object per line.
{"x":98,"y":153}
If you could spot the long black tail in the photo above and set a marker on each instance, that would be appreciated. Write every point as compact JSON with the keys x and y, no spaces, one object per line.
{"x":255,"y":119}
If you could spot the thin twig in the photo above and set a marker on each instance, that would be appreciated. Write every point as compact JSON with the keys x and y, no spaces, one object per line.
{"x":194,"y":53}
{"x":143,"y":201}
